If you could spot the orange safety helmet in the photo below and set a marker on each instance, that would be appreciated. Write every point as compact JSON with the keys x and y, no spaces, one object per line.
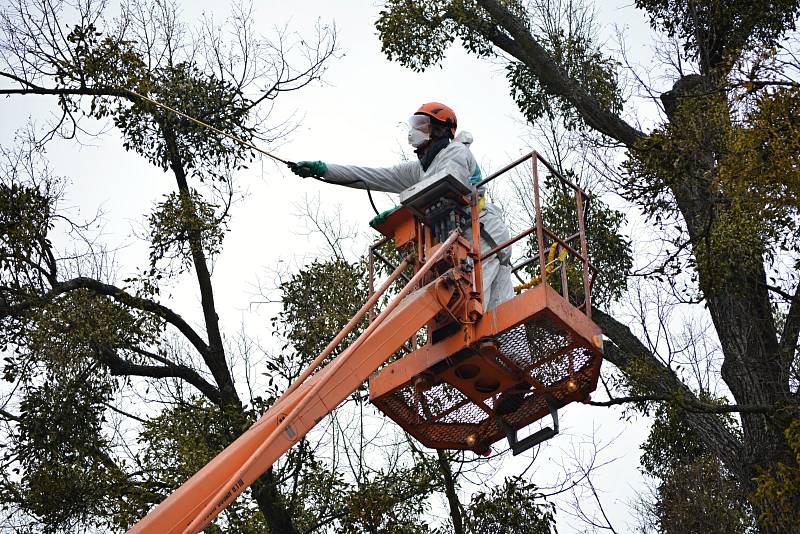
{"x":440,"y":112}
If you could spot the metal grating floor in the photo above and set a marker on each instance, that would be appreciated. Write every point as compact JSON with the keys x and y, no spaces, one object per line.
{"x":443,"y":416}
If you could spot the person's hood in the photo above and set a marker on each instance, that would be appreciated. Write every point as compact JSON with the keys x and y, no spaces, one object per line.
{"x":463,"y":137}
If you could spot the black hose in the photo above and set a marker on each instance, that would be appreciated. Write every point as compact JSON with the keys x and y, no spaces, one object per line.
{"x":350,"y":182}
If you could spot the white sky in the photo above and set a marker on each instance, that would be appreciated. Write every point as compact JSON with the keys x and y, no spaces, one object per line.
{"x":356,"y":117}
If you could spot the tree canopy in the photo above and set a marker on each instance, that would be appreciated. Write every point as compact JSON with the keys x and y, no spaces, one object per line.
{"x":714,"y":178}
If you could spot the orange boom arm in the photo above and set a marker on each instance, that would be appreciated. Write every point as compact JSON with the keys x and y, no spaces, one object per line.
{"x":200,"y":499}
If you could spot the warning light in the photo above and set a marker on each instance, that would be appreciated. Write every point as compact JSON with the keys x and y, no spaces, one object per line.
{"x":572,"y":386}
{"x":471,"y":440}
{"x":488,"y":348}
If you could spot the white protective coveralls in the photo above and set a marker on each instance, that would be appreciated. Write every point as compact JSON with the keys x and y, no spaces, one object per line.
{"x":456,"y":158}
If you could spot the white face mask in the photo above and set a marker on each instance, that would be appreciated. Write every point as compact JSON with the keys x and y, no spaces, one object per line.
{"x":417,"y":138}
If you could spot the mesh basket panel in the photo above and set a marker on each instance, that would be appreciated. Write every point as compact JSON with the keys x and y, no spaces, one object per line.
{"x":443,"y":416}
{"x":529,"y":343}
{"x":468,"y":413}
{"x":439,"y":399}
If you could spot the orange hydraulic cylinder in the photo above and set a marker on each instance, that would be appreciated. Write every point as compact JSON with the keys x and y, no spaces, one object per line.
{"x":206,"y":494}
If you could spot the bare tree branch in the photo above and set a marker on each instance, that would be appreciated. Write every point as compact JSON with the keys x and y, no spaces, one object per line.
{"x":121,"y":367}
{"x":553,"y":79}
{"x":688,"y":406}
{"x":627,"y":349}
{"x":9,"y":416}
{"x":123,"y":412}
{"x":31,"y":89}
{"x":117,"y":294}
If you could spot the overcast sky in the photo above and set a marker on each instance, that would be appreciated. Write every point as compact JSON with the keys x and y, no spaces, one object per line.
{"x":357,"y":116}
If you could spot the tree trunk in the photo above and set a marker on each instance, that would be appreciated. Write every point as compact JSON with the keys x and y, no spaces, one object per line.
{"x":450,"y":492}
{"x":270,"y":502}
{"x":265,"y":489}
{"x":737,"y":300}
{"x":215,"y":356}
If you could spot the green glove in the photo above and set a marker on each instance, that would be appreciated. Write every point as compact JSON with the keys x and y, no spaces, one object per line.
{"x":309,"y":168}
{"x":381,"y":217}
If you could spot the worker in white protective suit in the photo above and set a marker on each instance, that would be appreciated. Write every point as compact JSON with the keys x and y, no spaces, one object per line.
{"x":432,"y":132}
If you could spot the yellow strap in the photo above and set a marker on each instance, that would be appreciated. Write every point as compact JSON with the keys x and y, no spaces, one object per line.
{"x":549,"y":267}
{"x":481,"y":204}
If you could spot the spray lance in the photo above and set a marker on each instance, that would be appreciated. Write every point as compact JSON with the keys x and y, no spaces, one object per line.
{"x":291,"y":164}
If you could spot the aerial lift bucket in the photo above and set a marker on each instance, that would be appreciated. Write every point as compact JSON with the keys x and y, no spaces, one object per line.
{"x":528,"y":357}
{"x":484,"y":380}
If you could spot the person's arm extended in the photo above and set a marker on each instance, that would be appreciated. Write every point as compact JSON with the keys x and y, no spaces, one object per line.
{"x":388,"y":179}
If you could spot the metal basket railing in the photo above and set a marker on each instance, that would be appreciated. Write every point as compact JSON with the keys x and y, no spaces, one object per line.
{"x":542,"y":233}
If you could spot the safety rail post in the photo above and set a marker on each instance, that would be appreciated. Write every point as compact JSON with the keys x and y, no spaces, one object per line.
{"x":539,"y":224}
{"x":584,"y":255}
{"x":371,"y":288}
{"x":477,"y":268}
